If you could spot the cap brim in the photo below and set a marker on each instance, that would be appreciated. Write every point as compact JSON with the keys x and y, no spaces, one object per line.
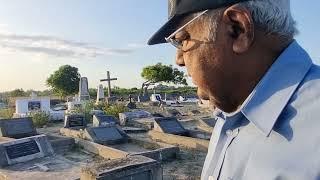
{"x":166,"y":30}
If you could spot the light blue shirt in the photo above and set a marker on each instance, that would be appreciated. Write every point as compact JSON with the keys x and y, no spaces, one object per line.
{"x":276,"y":133}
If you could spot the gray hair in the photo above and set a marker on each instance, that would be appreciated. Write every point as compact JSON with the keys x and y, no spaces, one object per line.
{"x":272,"y":16}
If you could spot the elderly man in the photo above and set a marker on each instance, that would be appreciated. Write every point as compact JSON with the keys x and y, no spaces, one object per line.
{"x":243,"y":57}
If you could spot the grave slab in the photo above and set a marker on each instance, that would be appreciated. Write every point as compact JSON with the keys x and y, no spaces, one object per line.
{"x":169,"y":125}
{"x":25,"y":149}
{"x":75,"y":121}
{"x":104,"y":120}
{"x":130,"y":168}
{"x":106,"y":135}
{"x":17,"y":128}
{"x":127,"y":116}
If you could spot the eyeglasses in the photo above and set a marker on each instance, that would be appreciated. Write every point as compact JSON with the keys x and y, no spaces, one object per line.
{"x":176,"y":43}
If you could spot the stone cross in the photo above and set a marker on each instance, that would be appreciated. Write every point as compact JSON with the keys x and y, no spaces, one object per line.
{"x":109,"y":82}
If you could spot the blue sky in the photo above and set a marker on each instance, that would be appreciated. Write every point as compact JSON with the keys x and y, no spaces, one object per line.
{"x":38,"y":36}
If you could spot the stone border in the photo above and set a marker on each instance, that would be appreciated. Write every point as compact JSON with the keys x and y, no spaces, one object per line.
{"x":181,"y":141}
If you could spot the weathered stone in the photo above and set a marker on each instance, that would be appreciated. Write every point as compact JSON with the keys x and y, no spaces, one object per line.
{"x":75,"y":121}
{"x":17,"y":128}
{"x":104,"y":120}
{"x":127,"y":116}
{"x":169,"y":125}
{"x":106,"y":135}
{"x":25,"y":149}
{"x":132,"y":167}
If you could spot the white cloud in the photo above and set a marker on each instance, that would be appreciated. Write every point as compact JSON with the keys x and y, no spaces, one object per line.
{"x":54,"y":46}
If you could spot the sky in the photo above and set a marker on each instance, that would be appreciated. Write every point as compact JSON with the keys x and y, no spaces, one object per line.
{"x":38,"y":36}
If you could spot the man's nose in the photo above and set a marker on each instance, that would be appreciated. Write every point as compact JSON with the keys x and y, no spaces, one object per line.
{"x":179,"y":58}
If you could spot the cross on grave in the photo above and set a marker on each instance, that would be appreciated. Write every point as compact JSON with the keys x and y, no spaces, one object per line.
{"x":109,"y":82}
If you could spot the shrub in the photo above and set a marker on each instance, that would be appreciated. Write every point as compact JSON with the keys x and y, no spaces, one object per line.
{"x":40,"y":118}
{"x":6,"y":113}
{"x":115,"y":109}
{"x":86,"y":110}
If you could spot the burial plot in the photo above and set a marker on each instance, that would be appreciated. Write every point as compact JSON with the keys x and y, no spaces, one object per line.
{"x":130,"y":168}
{"x":169,"y":125}
{"x":104,"y":120}
{"x":127,"y":116}
{"x":25,"y":149}
{"x":17,"y":128}
{"x":75,"y":121}
{"x":106,"y":135}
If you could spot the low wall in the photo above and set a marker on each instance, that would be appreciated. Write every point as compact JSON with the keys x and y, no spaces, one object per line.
{"x":181,"y":141}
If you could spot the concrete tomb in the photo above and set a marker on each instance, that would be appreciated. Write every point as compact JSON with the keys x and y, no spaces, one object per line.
{"x":75,"y":121}
{"x":104,"y":120}
{"x":17,"y":128}
{"x":106,"y":135}
{"x":127,"y":116}
{"x":169,"y":125}
{"x":100,"y":93}
{"x":25,"y":149}
{"x":130,"y":168}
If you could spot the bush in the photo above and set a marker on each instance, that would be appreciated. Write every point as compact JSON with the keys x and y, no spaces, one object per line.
{"x":115,"y":109}
{"x":6,"y":113}
{"x":86,"y":110}
{"x":40,"y":119}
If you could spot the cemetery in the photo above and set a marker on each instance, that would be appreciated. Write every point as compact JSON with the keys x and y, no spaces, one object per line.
{"x":140,"y":141}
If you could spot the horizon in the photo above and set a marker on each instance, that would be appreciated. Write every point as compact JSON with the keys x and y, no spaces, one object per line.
{"x":36,"y":38}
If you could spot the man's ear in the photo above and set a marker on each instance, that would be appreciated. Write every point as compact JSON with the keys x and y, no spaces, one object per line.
{"x":240,"y":27}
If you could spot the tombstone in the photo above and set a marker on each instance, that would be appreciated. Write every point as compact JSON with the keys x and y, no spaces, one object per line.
{"x":27,"y":105}
{"x":109,"y":82}
{"x":75,"y":121}
{"x":104,"y":120}
{"x":83,"y":89}
{"x":127,"y":116}
{"x":173,"y":112}
{"x":25,"y":149}
{"x":169,"y":125}
{"x":100,"y":93}
{"x":130,"y":168}
{"x":107,"y":135}
{"x":17,"y":128}
{"x":144,"y":98}
{"x":131,"y":104}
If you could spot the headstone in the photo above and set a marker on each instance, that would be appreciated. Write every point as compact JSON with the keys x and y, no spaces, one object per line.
{"x":17,"y":128}
{"x":75,"y":121}
{"x":104,"y":120}
{"x":131,"y":104}
{"x":127,"y":116}
{"x":25,"y":149}
{"x":129,"y":168}
{"x":173,"y":112}
{"x":83,"y":89}
{"x":169,"y":125}
{"x":106,"y":135}
{"x":25,"y":106}
{"x":100,"y":93}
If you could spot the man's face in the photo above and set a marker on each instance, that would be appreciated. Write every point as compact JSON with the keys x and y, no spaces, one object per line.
{"x":208,"y":62}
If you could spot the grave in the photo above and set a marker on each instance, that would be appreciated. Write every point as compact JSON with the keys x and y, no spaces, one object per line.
{"x":100,"y":94}
{"x":127,"y":116}
{"x":83,"y":89}
{"x":169,"y":125}
{"x":132,"y":167}
{"x":104,"y":120}
{"x":25,"y":149}
{"x":17,"y":128}
{"x":75,"y":121}
{"x":106,"y":135}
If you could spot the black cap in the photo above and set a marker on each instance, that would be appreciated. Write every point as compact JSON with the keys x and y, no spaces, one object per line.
{"x":179,"y":9}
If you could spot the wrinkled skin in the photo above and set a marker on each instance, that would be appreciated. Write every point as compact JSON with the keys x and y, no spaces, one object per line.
{"x":227,"y":70}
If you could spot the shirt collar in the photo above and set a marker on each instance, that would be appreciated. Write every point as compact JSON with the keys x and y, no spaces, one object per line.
{"x":274,"y":91}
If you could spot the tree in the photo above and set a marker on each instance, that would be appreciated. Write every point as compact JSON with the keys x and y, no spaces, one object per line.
{"x":161,"y":73}
{"x":17,"y":93}
{"x":64,"y":81}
